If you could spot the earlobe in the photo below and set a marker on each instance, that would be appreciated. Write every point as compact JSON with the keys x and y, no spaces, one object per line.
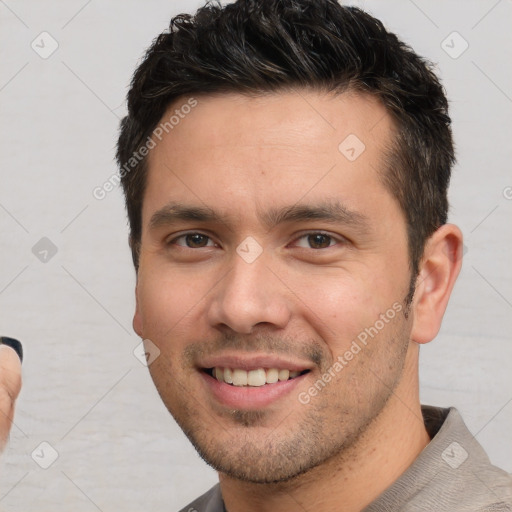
{"x":137,"y":317}
{"x":439,"y":268}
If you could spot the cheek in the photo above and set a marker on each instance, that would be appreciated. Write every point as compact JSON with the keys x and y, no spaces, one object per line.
{"x":340,"y":307}
{"x":166,"y":300}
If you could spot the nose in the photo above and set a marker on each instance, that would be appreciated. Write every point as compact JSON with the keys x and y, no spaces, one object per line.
{"x":249,"y":295}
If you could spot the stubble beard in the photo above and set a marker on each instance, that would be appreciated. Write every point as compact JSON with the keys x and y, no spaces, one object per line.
{"x":248,"y":449}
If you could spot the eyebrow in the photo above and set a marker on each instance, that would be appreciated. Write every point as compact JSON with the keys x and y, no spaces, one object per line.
{"x":174,"y":212}
{"x":333,"y":212}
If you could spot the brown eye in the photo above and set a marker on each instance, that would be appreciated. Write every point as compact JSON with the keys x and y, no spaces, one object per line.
{"x":193,"y":241}
{"x":319,"y":241}
{"x":196,"y":240}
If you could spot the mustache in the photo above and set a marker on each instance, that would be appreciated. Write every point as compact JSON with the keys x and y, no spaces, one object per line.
{"x":311,"y":350}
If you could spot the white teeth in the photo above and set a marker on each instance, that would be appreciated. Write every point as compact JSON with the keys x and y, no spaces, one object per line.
{"x":257,"y":377}
{"x":239,"y":377}
{"x":284,"y":374}
{"x":253,"y":378}
{"x":272,"y":376}
{"x":228,"y":375}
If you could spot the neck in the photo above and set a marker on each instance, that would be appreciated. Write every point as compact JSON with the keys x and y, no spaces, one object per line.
{"x":351,"y":480}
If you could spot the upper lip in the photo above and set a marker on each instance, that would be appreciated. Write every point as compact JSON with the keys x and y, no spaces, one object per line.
{"x":253,"y":362}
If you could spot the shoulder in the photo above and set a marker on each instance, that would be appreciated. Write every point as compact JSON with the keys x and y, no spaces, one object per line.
{"x":462,"y":476}
{"x":453,"y":473}
{"x":210,"y":501}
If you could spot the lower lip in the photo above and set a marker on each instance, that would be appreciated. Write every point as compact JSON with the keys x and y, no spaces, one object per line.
{"x":249,"y":397}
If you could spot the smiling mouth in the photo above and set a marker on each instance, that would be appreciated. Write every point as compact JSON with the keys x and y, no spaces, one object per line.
{"x":252,"y":378}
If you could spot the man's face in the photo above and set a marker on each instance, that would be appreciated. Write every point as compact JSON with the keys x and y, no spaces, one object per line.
{"x":269,"y":245}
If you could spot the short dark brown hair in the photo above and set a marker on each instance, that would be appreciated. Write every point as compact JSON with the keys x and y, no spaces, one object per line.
{"x":261,"y":46}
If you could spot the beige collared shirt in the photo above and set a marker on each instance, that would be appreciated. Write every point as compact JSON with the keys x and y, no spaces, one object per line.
{"x":452,"y":474}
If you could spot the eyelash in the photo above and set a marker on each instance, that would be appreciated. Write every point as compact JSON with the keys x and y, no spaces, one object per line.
{"x":336,"y":239}
{"x":332,"y":238}
{"x":184,"y":235}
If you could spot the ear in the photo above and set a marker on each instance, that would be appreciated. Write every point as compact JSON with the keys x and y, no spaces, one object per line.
{"x":137,"y":317}
{"x":439,"y":268}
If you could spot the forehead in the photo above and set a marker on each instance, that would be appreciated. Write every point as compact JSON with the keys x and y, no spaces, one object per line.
{"x":299,"y":115}
{"x":277,"y":148}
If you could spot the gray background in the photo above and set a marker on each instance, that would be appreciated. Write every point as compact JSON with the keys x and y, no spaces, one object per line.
{"x":85,"y":393}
